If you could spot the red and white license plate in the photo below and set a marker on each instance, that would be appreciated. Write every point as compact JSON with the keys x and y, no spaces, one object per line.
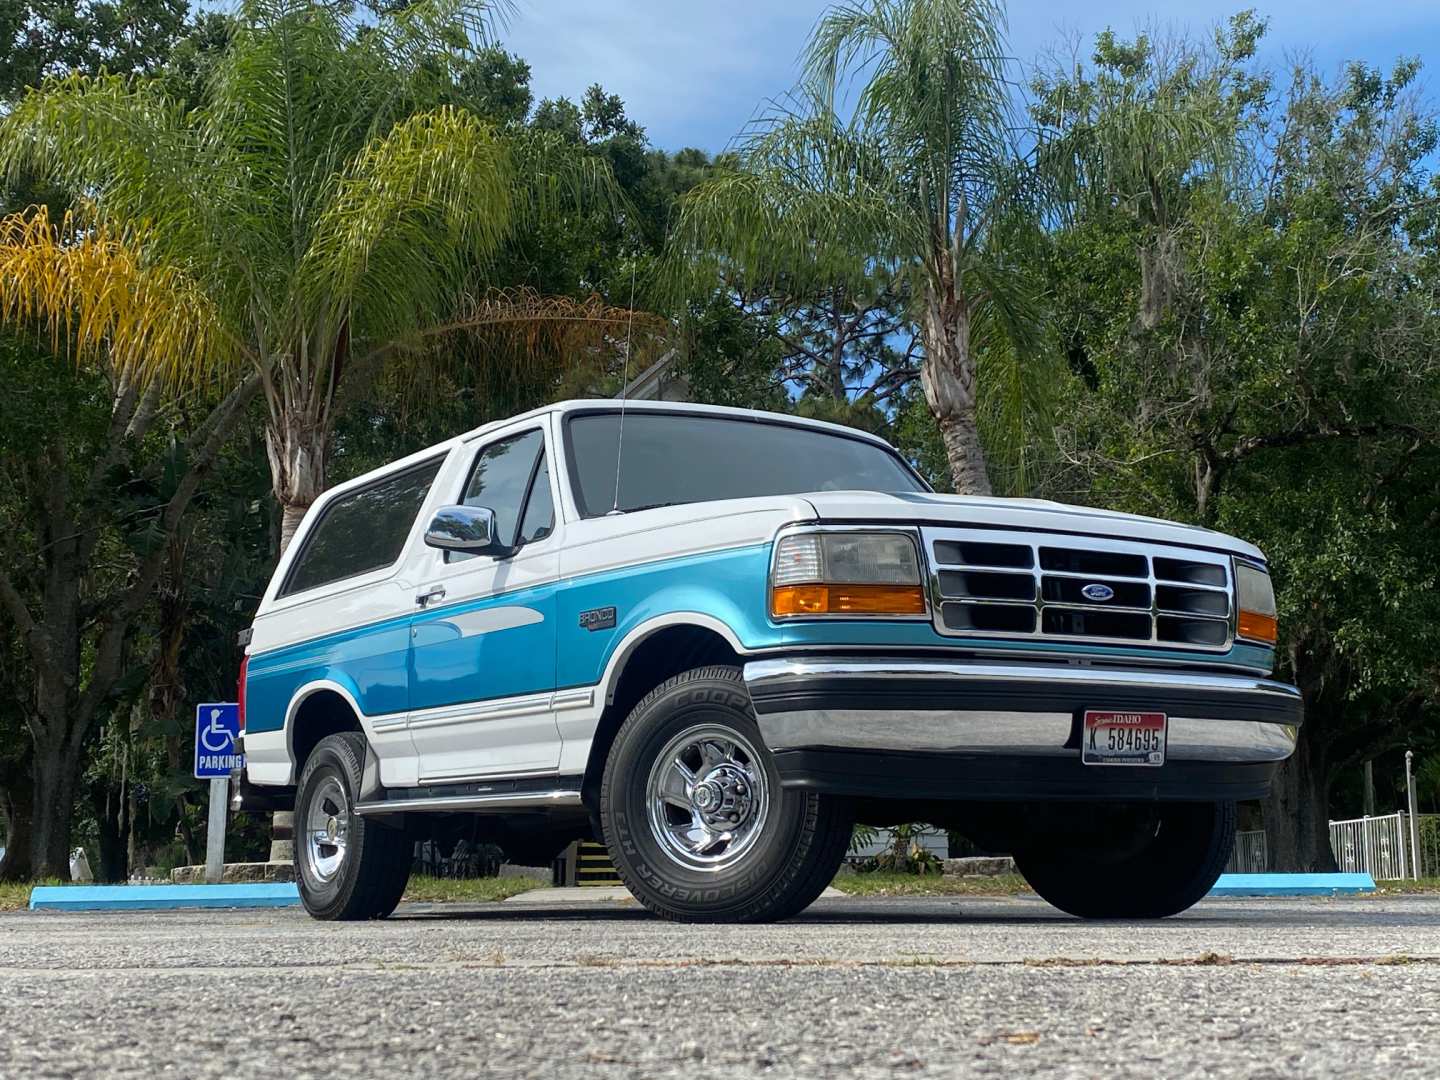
{"x":1123,"y":738}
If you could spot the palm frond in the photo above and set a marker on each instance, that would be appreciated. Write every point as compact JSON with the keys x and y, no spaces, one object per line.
{"x":810,"y":202}
{"x":404,"y":218}
{"x":92,"y":289}
{"x":118,"y":140}
{"x":537,"y":320}
{"x":554,"y":178}
{"x":501,"y":339}
{"x":935,"y":76}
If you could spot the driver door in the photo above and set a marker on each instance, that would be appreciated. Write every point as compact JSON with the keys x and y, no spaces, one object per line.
{"x":482,"y":652}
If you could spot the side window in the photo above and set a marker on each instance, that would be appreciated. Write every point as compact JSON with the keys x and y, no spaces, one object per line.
{"x":512,"y":479}
{"x":362,"y":531}
{"x":539,"y":519}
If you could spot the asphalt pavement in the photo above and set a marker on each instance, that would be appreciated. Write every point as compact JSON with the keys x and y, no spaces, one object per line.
{"x":853,"y":988}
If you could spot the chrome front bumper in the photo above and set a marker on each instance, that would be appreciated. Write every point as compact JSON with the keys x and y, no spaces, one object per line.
{"x":1027,"y":716}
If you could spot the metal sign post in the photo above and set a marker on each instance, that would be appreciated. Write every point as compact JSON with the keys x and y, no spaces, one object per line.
{"x":1414,"y":821}
{"x":217,"y":725}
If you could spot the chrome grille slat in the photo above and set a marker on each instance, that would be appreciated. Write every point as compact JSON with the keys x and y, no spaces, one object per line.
{"x":1171,"y":578}
{"x":1061,"y":605}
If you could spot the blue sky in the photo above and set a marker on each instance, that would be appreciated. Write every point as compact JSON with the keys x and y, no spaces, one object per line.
{"x":693,"y":72}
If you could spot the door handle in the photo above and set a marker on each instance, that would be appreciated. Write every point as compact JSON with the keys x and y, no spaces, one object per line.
{"x":434,"y":592}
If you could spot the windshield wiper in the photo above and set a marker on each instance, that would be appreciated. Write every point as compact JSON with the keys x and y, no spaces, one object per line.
{"x":653,"y":506}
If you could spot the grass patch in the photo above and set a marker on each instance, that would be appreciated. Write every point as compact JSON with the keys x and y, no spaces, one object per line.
{"x":1424,"y":885}
{"x":429,"y":890}
{"x":15,"y":895}
{"x":888,"y":883}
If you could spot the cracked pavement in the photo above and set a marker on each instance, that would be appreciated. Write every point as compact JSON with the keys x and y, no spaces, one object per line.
{"x":852,"y":988}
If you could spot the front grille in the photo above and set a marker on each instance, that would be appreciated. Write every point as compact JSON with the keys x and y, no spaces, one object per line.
{"x":1026,"y":585}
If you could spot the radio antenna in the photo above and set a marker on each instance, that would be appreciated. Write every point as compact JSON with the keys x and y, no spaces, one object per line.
{"x":624,"y":390}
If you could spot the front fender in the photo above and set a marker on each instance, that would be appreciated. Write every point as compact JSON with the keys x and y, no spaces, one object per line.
{"x":722,"y":591}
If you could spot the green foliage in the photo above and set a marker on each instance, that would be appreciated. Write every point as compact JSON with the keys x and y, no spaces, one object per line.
{"x":1251,"y":324}
{"x":41,"y":38}
{"x":1427,"y":792}
{"x":891,"y":883}
{"x":431,"y":890}
{"x":919,"y":184}
{"x":15,"y":896}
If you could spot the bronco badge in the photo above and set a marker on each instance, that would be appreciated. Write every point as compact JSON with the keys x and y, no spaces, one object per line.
{"x":600,"y":618}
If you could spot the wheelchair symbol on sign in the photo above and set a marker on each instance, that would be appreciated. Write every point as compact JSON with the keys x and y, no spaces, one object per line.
{"x":217,"y":731}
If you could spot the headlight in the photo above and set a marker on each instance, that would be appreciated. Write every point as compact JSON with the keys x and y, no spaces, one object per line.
{"x":1255,"y":600}
{"x":846,"y":573}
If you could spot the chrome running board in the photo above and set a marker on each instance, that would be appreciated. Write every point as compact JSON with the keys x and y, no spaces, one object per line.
{"x":493,"y":802}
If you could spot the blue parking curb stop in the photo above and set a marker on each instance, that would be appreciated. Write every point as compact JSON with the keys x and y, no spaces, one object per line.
{"x":1292,"y":884}
{"x":162,"y":897}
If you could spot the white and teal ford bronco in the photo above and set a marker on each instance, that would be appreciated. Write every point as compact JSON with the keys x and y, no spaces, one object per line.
{"x":714,"y":639}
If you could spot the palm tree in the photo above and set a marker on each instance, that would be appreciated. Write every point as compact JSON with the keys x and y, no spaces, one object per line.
{"x":331,"y":207}
{"x":920,"y":177}
{"x":328,"y":211}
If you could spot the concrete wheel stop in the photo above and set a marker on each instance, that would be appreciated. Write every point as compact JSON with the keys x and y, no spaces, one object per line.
{"x":273,"y":894}
{"x":1293,"y":885}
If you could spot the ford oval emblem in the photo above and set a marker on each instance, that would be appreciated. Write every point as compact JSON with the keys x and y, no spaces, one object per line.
{"x":1097,"y":592}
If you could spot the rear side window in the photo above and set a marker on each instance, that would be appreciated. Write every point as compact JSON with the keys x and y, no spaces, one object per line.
{"x":362,"y":531}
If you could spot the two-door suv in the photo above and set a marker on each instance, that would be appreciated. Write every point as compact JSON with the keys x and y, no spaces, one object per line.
{"x":714,"y":639}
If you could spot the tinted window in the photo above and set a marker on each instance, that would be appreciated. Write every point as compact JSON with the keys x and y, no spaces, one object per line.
{"x":362,"y":531}
{"x":500,"y":479}
{"x":672,"y":458}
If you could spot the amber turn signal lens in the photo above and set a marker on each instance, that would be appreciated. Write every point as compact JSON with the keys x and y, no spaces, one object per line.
{"x":848,"y":600}
{"x":1258,"y":627}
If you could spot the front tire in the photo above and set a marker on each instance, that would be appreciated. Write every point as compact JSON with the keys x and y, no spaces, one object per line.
{"x":694,"y":816}
{"x":346,"y":867}
{"x":1132,"y":862}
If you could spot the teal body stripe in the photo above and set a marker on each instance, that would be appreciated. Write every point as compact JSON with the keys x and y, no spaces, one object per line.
{"x":375,"y":663}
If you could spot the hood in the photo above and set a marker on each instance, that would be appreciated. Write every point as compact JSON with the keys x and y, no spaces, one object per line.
{"x":1032,"y":514}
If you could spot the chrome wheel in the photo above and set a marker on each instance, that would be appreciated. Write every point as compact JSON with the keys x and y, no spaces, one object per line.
{"x":708,"y":797}
{"x":327,"y":827}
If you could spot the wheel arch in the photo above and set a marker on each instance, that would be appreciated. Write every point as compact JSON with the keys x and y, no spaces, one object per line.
{"x":651,"y":653}
{"x":318,"y":709}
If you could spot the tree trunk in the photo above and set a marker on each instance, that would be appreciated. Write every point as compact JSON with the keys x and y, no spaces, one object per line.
{"x":17,"y":798}
{"x":1297,"y":813}
{"x":297,"y":449}
{"x":948,"y":378}
{"x":55,"y":774}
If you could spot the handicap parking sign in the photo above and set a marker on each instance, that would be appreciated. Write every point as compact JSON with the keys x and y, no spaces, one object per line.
{"x":217,"y":725}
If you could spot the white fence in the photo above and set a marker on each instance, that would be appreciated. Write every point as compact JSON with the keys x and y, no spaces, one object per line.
{"x":1250,"y":855}
{"x":1428,"y":830}
{"x":1379,"y":846}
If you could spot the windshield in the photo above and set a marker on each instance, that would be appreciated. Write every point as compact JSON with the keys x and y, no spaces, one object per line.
{"x":674,"y":458}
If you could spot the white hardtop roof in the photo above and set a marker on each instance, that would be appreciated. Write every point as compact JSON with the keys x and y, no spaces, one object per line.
{"x":615,"y":404}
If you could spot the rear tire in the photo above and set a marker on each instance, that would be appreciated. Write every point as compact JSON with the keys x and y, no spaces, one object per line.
{"x":694,"y":816}
{"x":346,"y":867}
{"x":1165,"y":857}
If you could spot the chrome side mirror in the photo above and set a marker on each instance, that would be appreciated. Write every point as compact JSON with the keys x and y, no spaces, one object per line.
{"x":470,"y":529}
